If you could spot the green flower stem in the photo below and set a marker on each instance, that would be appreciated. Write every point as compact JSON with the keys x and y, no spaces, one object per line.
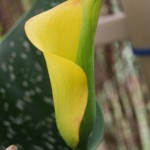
{"x":85,"y":59}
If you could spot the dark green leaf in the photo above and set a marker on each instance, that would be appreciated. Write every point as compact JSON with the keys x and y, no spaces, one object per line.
{"x":98,"y":130}
{"x":26,"y":107}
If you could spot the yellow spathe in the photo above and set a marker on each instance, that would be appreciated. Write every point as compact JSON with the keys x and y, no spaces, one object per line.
{"x":57,"y":30}
{"x":70,"y":92}
{"x":56,"y":33}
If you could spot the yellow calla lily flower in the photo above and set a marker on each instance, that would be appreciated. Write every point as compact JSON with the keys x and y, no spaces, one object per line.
{"x":60,"y":33}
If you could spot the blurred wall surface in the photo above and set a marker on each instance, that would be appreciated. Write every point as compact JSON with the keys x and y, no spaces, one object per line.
{"x":10,"y":11}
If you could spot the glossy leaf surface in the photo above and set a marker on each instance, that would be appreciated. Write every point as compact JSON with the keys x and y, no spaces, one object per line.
{"x":26,"y":106}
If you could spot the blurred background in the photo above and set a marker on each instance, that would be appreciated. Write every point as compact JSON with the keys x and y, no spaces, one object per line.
{"x":119,"y":82}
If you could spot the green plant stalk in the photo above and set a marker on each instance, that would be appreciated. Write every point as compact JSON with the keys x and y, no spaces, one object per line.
{"x":85,"y":59}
